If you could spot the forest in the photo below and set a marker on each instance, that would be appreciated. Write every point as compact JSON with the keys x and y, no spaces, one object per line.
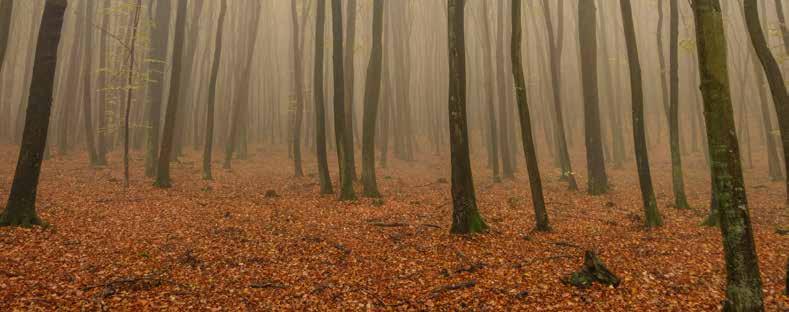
{"x":394,"y":155}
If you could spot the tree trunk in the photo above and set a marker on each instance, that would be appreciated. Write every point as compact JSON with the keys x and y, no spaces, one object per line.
{"x":743,"y":283}
{"x":598,"y":181}
{"x":677,"y":178}
{"x":372,"y":96}
{"x":209,"y":132}
{"x":350,"y":47}
{"x":774,"y":77}
{"x":168,"y":132}
{"x":343,"y":137}
{"x":540,"y":214}
{"x":320,"y":106}
{"x":652,"y":216}
{"x":6,"y":10}
{"x":87,"y":85}
{"x":298,"y":91}
{"x":129,"y":84}
{"x":159,"y":41}
{"x":466,"y":218}
{"x":490,"y":91}
{"x":508,"y":169}
{"x":21,"y":207}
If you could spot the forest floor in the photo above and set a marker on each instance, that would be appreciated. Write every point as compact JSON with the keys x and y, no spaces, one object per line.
{"x":225,"y":245}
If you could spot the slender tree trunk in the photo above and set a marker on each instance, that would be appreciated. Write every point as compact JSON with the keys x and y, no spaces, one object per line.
{"x":21,"y":207}
{"x":372,"y":96}
{"x":129,"y":84}
{"x":556,"y":44}
{"x":774,"y":77}
{"x":652,"y":216}
{"x":350,"y":47}
{"x":678,"y":181}
{"x":159,"y":42}
{"x":490,"y":91}
{"x":6,"y":10}
{"x":343,"y":137}
{"x":540,"y":214}
{"x":320,"y":106}
{"x":209,"y":132}
{"x":465,"y":215}
{"x":298,"y":90}
{"x":87,"y":85}
{"x":508,"y":168}
{"x":779,"y":9}
{"x":587,"y":30}
{"x":168,"y":132}
{"x":743,"y":283}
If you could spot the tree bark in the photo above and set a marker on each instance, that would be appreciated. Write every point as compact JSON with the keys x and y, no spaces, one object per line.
{"x":372,"y":96}
{"x":651,"y":214}
{"x":159,"y":42}
{"x":209,"y":132}
{"x":343,"y":137}
{"x":168,"y":132}
{"x":320,"y":106}
{"x":466,"y":218}
{"x":490,"y":91}
{"x":677,"y":177}
{"x":129,"y":84}
{"x":743,"y":283}
{"x":540,"y":214}
{"x":21,"y":207}
{"x":587,"y":31}
{"x":6,"y":10}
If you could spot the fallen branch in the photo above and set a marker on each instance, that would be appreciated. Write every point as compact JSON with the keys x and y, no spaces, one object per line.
{"x":127,"y":280}
{"x":384,"y":224}
{"x":780,"y":231}
{"x":566,"y":244}
{"x":268,"y":284}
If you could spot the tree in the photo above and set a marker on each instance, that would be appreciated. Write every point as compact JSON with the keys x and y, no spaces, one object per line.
{"x":320,"y":106}
{"x":240,"y":106}
{"x":350,"y":47}
{"x":129,"y":88}
{"x":6,"y":8}
{"x":209,"y":128}
{"x":343,"y":137}
{"x":87,"y":85}
{"x":490,"y":92}
{"x":678,"y":181}
{"x":21,"y":207}
{"x":159,"y":42}
{"x":540,"y":214}
{"x":743,"y":283}
{"x":298,"y":87}
{"x":168,"y":132}
{"x":372,"y":96}
{"x":507,"y":163}
{"x":587,"y":31}
{"x":466,"y":218}
{"x":774,"y":77}
{"x":555,"y":45}
{"x":651,"y":214}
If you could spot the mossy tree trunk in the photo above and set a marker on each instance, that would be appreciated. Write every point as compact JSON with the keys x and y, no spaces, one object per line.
{"x":743,"y":283}
{"x":652,"y":216}
{"x":21,"y":207}
{"x":342,"y":135}
{"x":209,"y":124}
{"x":774,"y":77}
{"x":466,"y":218}
{"x":372,"y":96}
{"x":587,"y":31}
{"x":535,"y":181}
{"x":168,"y":132}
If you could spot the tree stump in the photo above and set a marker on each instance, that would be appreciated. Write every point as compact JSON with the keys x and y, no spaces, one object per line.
{"x":593,"y":271}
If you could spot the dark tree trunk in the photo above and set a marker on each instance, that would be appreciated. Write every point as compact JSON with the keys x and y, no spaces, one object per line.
{"x":556,"y":46}
{"x":87,"y":85}
{"x":320,"y":106}
{"x":677,"y":177}
{"x":168,"y":132}
{"x":209,"y":132}
{"x":6,"y":8}
{"x":466,"y":218}
{"x":779,"y":8}
{"x":21,"y":207}
{"x":652,"y":216}
{"x":540,"y":214}
{"x":743,"y":283}
{"x":343,"y":137}
{"x":350,"y":46}
{"x":372,"y":96}
{"x":774,"y":77}
{"x":298,"y":90}
{"x":587,"y":30}
{"x":240,"y":106}
{"x":490,"y":91}
{"x":159,"y":41}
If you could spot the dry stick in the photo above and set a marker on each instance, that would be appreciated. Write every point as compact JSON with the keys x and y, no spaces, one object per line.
{"x":461,"y":285}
